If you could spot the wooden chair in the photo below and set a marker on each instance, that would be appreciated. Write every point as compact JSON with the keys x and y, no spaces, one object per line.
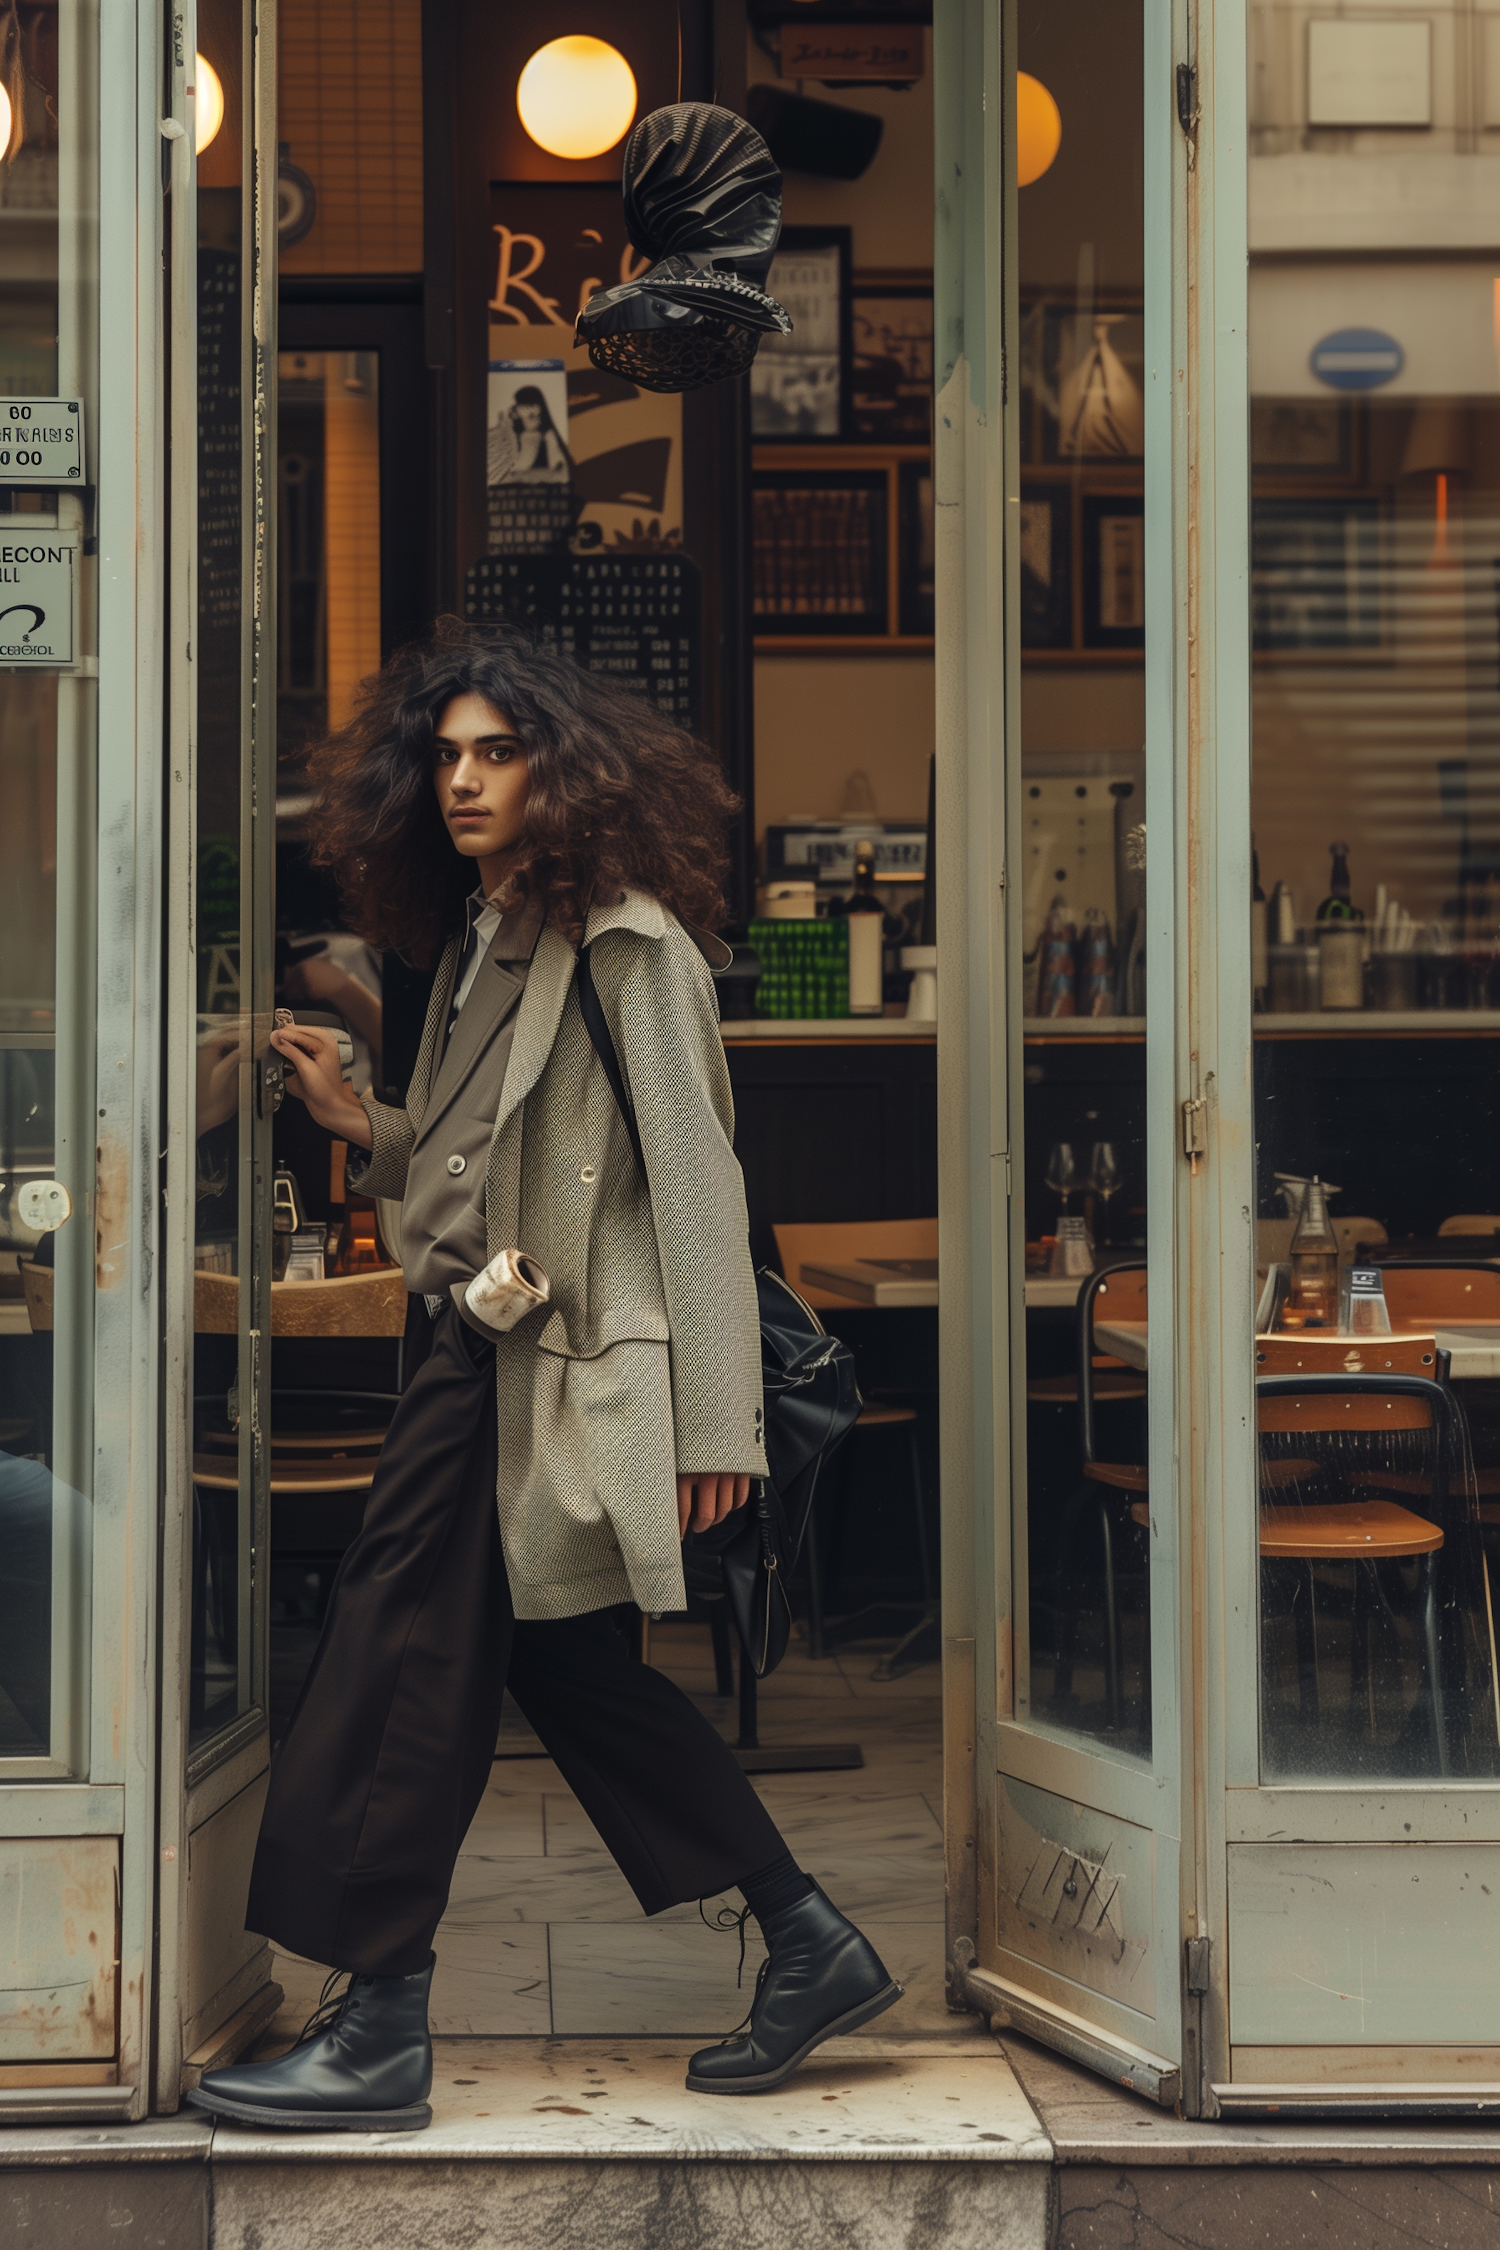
{"x":1350,"y":1232}
{"x":838,"y":1242}
{"x":1297,"y":1401}
{"x":351,"y":1304}
{"x":1113,"y":1382}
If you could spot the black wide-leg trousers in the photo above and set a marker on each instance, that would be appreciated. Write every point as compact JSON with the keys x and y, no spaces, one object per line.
{"x":389,"y":1749}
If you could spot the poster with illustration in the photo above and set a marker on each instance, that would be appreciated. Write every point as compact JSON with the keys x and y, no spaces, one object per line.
{"x":528,"y":422}
{"x":799,"y":384}
{"x":553,"y":246}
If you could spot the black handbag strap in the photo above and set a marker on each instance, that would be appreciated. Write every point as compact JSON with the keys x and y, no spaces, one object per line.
{"x":596,"y":1023}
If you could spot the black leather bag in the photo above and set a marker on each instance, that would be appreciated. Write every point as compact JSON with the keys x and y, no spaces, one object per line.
{"x":812,"y":1402}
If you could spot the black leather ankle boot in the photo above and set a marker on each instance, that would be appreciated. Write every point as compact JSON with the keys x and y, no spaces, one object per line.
{"x":820,"y":1978}
{"x":366,"y":2068}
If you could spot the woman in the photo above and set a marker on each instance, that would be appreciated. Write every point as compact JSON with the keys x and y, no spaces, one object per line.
{"x":525,"y":447}
{"x":629,"y":1407}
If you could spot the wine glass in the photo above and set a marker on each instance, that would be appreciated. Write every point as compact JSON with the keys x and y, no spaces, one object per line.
{"x":1062,"y":1171}
{"x":1104,"y":1178}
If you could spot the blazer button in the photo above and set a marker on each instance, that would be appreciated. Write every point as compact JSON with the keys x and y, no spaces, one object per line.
{"x":588,"y":1173}
{"x":457,"y":1164}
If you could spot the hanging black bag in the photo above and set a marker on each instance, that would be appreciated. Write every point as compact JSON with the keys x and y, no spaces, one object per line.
{"x":812,"y":1402}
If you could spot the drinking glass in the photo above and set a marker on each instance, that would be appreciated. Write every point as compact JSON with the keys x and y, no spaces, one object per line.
{"x":1062,"y":1171}
{"x":1104,"y":1178}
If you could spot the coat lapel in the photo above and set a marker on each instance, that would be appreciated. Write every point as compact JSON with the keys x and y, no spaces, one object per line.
{"x":429,"y":1052}
{"x":491,"y":998}
{"x":537,"y":1019}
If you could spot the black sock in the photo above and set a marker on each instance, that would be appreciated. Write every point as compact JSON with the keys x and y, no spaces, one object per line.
{"x":772,"y":1888}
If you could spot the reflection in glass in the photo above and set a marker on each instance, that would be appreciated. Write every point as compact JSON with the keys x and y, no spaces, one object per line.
{"x":1375,"y":454}
{"x":222,"y":1652}
{"x":47,"y":300}
{"x":1084,"y":1557}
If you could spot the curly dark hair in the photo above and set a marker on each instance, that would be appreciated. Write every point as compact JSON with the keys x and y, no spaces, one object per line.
{"x":618,"y":794}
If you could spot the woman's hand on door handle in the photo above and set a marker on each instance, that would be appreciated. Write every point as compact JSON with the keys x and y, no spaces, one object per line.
{"x":315,"y":1075}
{"x":704,"y":1501}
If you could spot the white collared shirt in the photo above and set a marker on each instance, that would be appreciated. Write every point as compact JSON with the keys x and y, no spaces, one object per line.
{"x":483,"y":924}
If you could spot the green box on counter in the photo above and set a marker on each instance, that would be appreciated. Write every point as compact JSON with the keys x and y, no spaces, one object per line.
{"x":804,"y":968}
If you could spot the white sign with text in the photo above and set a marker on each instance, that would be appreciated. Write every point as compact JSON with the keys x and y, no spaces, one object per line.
{"x":36,"y":600}
{"x":41,"y":441}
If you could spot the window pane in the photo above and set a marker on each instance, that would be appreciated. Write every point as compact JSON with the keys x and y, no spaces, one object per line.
{"x":1375,"y":435}
{"x":222,"y":1639}
{"x":1083,"y":634}
{"x":47,"y":351}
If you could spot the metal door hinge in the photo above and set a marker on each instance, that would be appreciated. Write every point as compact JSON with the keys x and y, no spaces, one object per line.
{"x":1187,"y":99}
{"x":1197,"y":1965}
{"x":1194,"y":1121}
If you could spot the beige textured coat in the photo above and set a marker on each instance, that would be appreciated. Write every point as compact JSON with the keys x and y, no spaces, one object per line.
{"x":646,"y":1364}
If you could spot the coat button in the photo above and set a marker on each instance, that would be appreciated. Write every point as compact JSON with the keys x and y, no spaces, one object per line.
{"x":457,"y":1164}
{"x":588,"y":1173}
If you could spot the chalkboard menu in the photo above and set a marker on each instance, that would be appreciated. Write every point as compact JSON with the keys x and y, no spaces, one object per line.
{"x":638,"y":616}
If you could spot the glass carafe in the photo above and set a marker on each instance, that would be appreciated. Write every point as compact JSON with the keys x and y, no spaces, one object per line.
{"x":1313,"y":1299}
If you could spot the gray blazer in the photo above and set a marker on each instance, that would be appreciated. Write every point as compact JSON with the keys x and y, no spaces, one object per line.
{"x":646,"y":1364}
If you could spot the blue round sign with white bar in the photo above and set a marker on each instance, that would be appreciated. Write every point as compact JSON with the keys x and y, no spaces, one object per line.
{"x":1357,"y":359}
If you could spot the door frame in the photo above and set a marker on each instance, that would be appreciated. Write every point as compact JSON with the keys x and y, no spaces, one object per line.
{"x":194,"y":1899}
{"x":1198,"y":1053}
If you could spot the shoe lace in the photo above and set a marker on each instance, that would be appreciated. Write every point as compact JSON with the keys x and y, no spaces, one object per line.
{"x":726,"y":1918}
{"x":331,"y":2005}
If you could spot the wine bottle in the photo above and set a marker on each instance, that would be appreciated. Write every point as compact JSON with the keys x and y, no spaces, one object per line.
{"x":1339,"y":906}
{"x":1313,"y":1299}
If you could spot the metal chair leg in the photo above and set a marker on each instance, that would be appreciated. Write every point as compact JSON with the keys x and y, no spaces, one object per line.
{"x":718,"y":1626}
{"x":1361,"y":1678}
{"x":1113,"y":1683}
{"x":1433,"y":1652}
{"x":816,"y":1643}
{"x":924,"y":1561}
{"x":749,"y":1734}
{"x":1305,"y":1626}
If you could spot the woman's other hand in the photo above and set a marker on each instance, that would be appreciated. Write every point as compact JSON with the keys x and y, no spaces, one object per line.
{"x":315,"y":1075}
{"x":704,"y":1501}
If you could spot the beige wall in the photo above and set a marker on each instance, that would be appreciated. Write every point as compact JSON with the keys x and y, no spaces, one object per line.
{"x":890,"y":208}
{"x":820,"y":718}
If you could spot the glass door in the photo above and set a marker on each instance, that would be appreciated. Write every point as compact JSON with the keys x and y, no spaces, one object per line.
{"x":48,"y":277}
{"x":215,"y":1732}
{"x":1061,"y":842}
{"x":1362,"y":1694}
{"x":230,"y":875}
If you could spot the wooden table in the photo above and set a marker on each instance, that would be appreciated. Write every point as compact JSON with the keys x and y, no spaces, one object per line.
{"x":348,"y":1304}
{"x":1045,"y":1292}
{"x":1474,"y":1351}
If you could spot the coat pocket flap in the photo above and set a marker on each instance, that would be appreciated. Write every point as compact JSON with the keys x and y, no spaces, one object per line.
{"x":622,"y":1324}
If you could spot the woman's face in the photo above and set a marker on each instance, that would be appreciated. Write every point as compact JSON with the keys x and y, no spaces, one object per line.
{"x":480,"y":771}
{"x":531,"y":415}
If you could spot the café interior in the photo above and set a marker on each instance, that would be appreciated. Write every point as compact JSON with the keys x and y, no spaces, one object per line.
{"x":759,"y":557}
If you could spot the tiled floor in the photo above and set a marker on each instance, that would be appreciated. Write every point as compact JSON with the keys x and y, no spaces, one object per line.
{"x":543,"y":1935}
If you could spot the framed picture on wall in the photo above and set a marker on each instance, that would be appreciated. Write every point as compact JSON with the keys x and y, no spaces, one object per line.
{"x":1046,"y":566}
{"x":800,"y":384}
{"x":1088,"y":368}
{"x":1114,"y":570}
{"x":818,"y":554}
{"x":891,"y":382}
